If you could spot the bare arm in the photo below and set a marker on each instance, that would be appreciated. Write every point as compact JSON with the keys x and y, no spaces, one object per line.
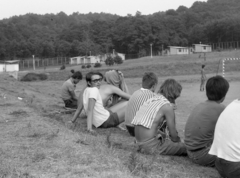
{"x":120,"y":93}
{"x":170,"y":118}
{"x":91,"y":104}
{"x":80,"y":107}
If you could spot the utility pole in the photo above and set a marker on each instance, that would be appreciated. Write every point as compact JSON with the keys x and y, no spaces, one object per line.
{"x":151,"y":49}
{"x":33,"y":62}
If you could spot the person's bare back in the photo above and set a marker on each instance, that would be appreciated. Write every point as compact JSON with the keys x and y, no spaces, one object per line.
{"x":165,"y":113}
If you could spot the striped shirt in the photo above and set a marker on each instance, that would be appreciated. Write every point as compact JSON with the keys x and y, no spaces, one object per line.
{"x":137,"y":99}
{"x":148,"y":111}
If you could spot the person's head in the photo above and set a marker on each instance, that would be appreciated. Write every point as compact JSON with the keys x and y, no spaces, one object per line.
{"x":149,"y":81}
{"x":76,"y":77}
{"x":217,"y":88}
{"x":170,"y":89}
{"x":94,"y":79}
{"x":203,"y":66}
{"x":72,"y":71}
{"x":112,"y":78}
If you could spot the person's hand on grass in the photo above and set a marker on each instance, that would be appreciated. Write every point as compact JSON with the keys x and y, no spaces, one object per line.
{"x":70,"y":125}
{"x":92,"y":132}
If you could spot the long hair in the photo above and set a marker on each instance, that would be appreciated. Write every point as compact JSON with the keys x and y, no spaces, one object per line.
{"x":170,"y":89}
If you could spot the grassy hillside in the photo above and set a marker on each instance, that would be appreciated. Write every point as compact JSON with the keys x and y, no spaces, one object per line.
{"x":164,"y":65}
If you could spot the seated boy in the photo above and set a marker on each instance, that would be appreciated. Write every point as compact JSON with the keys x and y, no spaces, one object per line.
{"x":92,"y":102}
{"x":149,"y":83}
{"x":199,"y":129}
{"x":152,"y":115}
{"x":226,"y":142}
{"x":67,"y":90}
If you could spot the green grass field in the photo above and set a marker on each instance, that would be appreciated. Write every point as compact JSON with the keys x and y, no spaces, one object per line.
{"x":35,"y":141}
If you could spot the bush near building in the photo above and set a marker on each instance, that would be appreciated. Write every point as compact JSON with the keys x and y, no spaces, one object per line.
{"x":118,"y":60}
{"x":109,"y":61}
{"x":97,"y":64}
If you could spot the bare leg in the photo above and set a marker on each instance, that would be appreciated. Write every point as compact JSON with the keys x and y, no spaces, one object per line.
{"x":119,"y":108}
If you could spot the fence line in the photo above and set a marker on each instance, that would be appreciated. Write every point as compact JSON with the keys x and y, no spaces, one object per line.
{"x":43,"y":63}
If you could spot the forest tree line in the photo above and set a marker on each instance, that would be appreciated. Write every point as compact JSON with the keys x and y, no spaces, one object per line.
{"x":58,"y":35}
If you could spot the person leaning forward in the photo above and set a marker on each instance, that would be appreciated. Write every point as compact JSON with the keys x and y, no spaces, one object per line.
{"x":67,"y":90}
{"x":154,"y":113}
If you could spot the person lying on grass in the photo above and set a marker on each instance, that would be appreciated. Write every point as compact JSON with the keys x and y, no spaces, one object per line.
{"x":67,"y":90}
{"x":200,"y":126}
{"x":92,"y":101}
{"x":226,"y":142}
{"x":155,"y":126}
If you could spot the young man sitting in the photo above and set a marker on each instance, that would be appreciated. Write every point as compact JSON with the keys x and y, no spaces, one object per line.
{"x":149,"y":83}
{"x":226,"y":142}
{"x":152,"y":115}
{"x":93,"y":103}
{"x":199,"y":129}
{"x":67,"y":91}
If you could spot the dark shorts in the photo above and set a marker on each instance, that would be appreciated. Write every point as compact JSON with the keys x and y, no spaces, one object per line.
{"x":112,"y":121}
{"x":70,"y":103}
{"x":130,"y":130}
{"x":228,"y":168}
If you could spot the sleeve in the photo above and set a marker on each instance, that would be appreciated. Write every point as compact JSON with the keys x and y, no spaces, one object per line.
{"x":93,"y":93}
{"x":71,"y":88}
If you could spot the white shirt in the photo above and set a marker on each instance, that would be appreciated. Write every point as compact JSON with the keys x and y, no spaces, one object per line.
{"x":100,"y":114}
{"x":226,"y":143}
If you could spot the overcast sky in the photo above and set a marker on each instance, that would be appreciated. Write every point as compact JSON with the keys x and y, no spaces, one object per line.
{"x":9,"y":8}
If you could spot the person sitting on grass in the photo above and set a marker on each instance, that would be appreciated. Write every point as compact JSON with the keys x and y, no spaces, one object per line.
{"x":152,"y":116}
{"x":116,"y":78}
{"x":199,"y":129}
{"x":92,"y":102}
{"x":149,"y":83}
{"x":226,"y":141}
{"x":67,"y":90}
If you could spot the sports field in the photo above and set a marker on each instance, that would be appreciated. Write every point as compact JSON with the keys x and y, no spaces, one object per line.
{"x":35,"y":141}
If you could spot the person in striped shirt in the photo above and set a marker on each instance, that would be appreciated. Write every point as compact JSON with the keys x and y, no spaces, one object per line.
{"x":149,"y":83}
{"x":152,"y":115}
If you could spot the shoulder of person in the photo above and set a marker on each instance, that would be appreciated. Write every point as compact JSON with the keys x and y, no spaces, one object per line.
{"x":167,"y":108}
{"x":91,"y":89}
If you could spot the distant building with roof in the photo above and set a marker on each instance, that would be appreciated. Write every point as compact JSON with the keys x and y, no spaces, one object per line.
{"x":202,"y":48}
{"x":9,"y":66}
{"x":177,"y":50}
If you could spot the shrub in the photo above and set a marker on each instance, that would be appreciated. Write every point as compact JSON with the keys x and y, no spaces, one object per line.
{"x":97,"y":64}
{"x":33,"y":77}
{"x":109,"y":61}
{"x":89,"y":65}
{"x":118,"y":60}
{"x":83,"y":66}
{"x":62,"y":67}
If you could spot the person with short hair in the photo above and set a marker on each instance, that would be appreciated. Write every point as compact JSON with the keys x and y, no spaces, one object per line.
{"x":149,"y":83}
{"x":226,"y":141}
{"x":199,"y":129}
{"x":67,"y":90}
{"x":92,"y":102}
{"x":151,"y":116}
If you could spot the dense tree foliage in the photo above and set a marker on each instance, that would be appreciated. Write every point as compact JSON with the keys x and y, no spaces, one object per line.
{"x":53,"y":35}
